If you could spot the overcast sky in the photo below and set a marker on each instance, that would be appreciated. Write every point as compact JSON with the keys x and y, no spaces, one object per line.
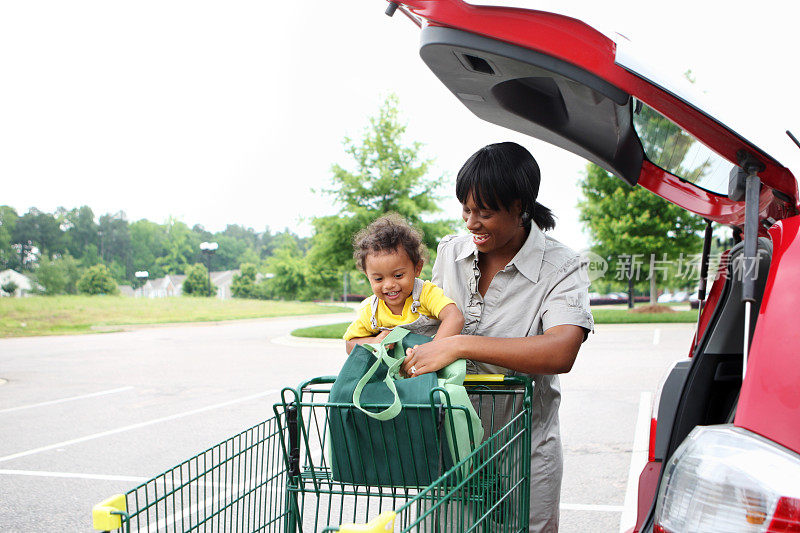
{"x":232,"y":112}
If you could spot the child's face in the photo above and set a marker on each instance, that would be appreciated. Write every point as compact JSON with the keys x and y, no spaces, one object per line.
{"x":391,"y":275}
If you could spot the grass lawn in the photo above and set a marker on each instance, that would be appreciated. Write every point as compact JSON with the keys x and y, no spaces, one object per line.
{"x":601,"y":316}
{"x":328,"y":331}
{"x":623,"y":316}
{"x":58,"y":315}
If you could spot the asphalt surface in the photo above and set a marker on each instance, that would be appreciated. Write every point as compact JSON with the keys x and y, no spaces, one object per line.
{"x":86,"y":417}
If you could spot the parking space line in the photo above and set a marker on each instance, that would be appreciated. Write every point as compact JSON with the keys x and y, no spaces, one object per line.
{"x":73,"y":475}
{"x":638,"y":461}
{"x":62,"y":400}
{"x":137,"y":479}
{"x":130,"y":427}
{"x":656,"y":336}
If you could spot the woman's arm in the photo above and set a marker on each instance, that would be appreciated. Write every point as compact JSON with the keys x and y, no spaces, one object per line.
{"x":452,"y":321}
{"x":553,"y":352}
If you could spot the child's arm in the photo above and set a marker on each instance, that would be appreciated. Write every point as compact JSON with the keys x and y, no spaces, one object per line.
{"x":452,"y":321}
{"x":351,"y":343}
{"x":360,"y":330}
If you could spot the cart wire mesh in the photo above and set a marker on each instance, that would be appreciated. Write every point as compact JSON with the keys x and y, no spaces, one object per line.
{"x":237,"y":485}
{"x":486,"y":491}
{"x":277,"y":476}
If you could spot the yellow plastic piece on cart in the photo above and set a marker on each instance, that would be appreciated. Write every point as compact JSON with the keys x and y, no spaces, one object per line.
{"x":473,"y":378}
{"x":382,"y":522}
{"x":102,"y":519}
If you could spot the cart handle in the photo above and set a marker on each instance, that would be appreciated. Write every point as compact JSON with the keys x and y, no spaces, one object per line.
{"x":107,"y":515}
{"x":470,"y":378}
{"x":484,"y":378}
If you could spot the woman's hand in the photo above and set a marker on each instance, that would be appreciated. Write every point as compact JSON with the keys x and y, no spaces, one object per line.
{"x":431,"y":356}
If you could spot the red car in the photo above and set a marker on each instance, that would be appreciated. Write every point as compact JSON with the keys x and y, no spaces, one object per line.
{"x":725,"y":445}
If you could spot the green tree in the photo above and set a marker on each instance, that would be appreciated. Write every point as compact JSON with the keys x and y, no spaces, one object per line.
{"x":59,"y":275}
{"x":37,"y":230}
{"x":387,"y":176}
{"x":266,"y":243}
{"x":244,"y":283}
{"x":241,"y":233}
{"x":322,"y":282}
{"x":288,"y":268}
{"x":9,"y":258}
{"x":148,"y":244}
{"x":202,"y":233}
{"x":182,"y":248}
{"x":197,"y":282}
{"x":628,"y":224}
{"x":98,"y":280}
{"x":115,"y":244}
{"x":91,"y":257}
{"x":81,"y":230}
{"x":231,"y":253}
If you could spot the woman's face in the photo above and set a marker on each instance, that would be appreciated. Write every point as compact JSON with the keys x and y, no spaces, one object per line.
{"x":494,"y":231}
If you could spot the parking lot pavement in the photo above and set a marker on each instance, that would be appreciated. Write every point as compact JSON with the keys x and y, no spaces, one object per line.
{"x":85,"y":417}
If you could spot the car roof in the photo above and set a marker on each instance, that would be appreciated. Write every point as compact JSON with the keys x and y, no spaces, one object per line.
{"x":560,"y":80}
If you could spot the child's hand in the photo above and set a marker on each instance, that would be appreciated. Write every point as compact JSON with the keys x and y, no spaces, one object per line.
{"x":382,"y":335}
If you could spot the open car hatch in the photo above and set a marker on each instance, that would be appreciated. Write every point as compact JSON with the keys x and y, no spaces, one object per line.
{"x":557,"y":79}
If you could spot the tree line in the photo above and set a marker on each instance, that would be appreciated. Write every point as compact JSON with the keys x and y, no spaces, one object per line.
{"x":57,"y":248}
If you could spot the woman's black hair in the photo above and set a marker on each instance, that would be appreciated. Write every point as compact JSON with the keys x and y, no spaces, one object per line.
{"x":499,"y":174}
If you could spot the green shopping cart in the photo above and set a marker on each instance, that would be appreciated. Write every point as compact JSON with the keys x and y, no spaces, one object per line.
{"x":278,"y":476}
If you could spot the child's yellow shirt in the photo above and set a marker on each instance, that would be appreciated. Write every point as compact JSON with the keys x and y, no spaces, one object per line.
{"x":431,"y":302}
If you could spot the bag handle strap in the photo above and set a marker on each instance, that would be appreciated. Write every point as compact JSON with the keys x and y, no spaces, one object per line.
{"x":393,"y":364}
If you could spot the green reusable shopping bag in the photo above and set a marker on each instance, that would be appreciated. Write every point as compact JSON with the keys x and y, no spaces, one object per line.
{"x":384,"y":429}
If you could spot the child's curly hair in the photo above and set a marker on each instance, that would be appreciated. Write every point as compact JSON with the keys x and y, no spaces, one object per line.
{"x":387,"y":234}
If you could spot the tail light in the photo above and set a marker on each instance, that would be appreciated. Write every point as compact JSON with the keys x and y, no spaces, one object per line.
{"x":727,"y":479}
{"x":651,"y":448}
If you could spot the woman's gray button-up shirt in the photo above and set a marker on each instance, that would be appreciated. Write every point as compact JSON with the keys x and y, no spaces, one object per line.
{"x":546,"y":284}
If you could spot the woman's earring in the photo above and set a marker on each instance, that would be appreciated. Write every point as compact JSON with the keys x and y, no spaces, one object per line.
{"x":525,"y":219}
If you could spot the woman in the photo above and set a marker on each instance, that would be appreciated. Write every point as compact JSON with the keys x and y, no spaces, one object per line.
{"x":524,"y":297}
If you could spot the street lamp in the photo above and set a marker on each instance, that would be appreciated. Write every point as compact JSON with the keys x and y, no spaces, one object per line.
{"x":142,"y":275}
{"x":208,"y":249}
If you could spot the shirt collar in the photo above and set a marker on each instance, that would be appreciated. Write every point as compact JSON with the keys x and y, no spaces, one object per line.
{"x":466,"y":248}
{"x":528,"y":259}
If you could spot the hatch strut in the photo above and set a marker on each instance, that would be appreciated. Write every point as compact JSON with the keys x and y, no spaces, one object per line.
{"x":744,"y":182}
{"x":701,"y":290}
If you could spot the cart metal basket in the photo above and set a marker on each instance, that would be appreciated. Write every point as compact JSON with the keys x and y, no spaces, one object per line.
{"x":277,"y":476}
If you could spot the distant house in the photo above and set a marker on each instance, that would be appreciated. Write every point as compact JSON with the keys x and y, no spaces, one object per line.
{"x":176,"y":284}
{"x":222,"y":281}
{"x":126,"y":290}
{"x":23,"y":283}
{"x":169,"y":285}
{"x":172,"y":285}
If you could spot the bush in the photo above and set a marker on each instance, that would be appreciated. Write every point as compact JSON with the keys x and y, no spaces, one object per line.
{"x":244,"y":284}
{"x":59,"y":276}
{"x":197,"y":282}
{"x":98,"y":280}
{"x":9,"y":288}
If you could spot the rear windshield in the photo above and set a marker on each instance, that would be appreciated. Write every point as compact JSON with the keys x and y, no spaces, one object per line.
{"x":669,"y":147}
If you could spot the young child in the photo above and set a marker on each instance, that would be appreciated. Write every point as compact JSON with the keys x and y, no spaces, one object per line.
{"x":391,"y":253}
